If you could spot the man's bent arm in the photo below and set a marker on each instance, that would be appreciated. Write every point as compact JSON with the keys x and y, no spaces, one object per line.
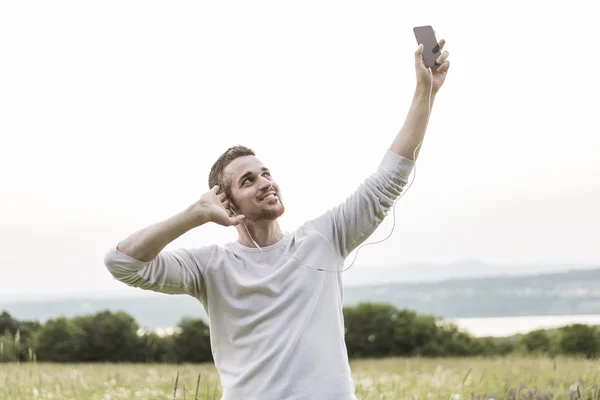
{"x":413,"y":130}
{"x":147,"y":243}
{"x":139,"y":261}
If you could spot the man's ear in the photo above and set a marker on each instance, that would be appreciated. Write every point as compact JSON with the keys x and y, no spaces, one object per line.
{"x":231,"y":205}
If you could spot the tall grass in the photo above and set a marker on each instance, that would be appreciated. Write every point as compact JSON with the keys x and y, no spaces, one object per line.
{"x":394,"y":378}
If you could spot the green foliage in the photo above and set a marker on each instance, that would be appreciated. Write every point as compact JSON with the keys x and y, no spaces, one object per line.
{"x":491,"y":346}
{"x":536,"y":342}
{"x":372,"y":331}
{"x":59,"y":340}
{"x":7,"y":347}
{"x":8,"y":323}
{"x":579,"y":340}
{"x":381,"y":330}
{"x":108,"y":336}
{"x":191,"y":342}
{"x":21,"y":334}
{"x":156,"y":349}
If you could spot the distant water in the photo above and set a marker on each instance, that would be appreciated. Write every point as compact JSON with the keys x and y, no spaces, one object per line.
{"x":507,"y":326}
{"x":496,"y":326}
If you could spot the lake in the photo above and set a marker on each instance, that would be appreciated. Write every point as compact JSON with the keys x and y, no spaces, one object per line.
{"x":507,"y":326}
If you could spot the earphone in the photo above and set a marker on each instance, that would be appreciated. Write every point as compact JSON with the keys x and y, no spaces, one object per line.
{"x":393,"y":207}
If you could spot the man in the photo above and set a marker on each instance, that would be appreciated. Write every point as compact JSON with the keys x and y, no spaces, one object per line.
{"x":274,"y":300}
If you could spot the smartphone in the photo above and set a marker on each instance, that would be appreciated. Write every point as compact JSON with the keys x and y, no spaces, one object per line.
{"x":431,"y":47}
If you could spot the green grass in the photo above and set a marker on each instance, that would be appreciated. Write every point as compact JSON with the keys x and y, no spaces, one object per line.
{"x":395,"y":378}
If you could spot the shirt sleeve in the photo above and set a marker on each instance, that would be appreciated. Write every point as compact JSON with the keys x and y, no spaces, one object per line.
{"x":172,"y":272}
{"x":350,"y":223}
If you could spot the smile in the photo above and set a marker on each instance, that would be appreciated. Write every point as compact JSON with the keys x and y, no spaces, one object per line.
{"x":268,"y":197}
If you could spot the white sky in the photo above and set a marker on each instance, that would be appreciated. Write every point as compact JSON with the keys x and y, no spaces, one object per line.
{"x":111,"y":114}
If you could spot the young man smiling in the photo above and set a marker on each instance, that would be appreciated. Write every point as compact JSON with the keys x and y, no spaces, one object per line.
{"x":274,"y":299}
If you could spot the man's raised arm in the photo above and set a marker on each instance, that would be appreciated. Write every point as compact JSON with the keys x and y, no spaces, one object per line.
{"x":349,"y":224}
{"x":412,"y":132}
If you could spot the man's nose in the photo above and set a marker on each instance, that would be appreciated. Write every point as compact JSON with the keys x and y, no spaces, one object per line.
{"x":265,"y":183}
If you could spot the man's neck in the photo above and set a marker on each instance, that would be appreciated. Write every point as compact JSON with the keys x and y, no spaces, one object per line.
{"x":264,"y":233}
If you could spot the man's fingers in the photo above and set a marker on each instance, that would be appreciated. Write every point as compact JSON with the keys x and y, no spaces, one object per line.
{"x":419,"y":51}
{"x":445,"y":66}
{"x":440,"y":60}
{"x":222,"y":196}
{"x":236,"y":220}
{"x":215,"y":189}
{"x":419,"y":55}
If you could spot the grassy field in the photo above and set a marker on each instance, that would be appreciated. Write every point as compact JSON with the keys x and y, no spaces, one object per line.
{"x":510,"y":378}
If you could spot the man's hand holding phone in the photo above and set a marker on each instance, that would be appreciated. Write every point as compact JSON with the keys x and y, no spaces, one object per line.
{"x":430,"y":54}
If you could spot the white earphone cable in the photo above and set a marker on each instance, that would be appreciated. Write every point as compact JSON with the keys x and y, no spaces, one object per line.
{"x":393,"y":207}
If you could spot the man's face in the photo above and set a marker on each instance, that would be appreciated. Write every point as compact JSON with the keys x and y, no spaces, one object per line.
{"x":254,"y":193}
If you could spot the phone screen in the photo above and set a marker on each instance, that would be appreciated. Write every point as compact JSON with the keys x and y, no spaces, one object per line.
{"x":431,"y":47}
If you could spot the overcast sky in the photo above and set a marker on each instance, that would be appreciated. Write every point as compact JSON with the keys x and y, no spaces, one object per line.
{"x":111,"y":114}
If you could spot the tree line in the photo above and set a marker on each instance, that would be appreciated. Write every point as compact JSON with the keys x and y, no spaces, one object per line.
{"x":372,"y":331}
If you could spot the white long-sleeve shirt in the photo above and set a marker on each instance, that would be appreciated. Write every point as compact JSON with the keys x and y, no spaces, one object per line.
{"x":276,"y":322}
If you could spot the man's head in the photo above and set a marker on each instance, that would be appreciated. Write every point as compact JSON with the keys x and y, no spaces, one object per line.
{"x":247,"y":183}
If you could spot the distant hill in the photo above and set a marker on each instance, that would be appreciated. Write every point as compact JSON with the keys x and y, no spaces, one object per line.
{"x":566,"y":293}
{"x":463,"y":269}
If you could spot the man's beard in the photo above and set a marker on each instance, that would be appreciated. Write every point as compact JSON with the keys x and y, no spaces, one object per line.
{"x":266,"y":214}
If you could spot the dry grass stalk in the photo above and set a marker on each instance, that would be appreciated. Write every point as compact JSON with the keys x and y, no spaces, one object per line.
{"x":176,"y":381}
{"x":462,"y":383}
{"x":481,"y":379}
{"x":197,"y":386}
{"x":466,"y":376}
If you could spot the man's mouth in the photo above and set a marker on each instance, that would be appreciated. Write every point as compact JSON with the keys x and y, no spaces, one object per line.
{"x":268,"y":196}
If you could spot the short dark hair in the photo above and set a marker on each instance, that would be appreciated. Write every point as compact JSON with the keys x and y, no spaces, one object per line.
{"x":216,"y":176}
